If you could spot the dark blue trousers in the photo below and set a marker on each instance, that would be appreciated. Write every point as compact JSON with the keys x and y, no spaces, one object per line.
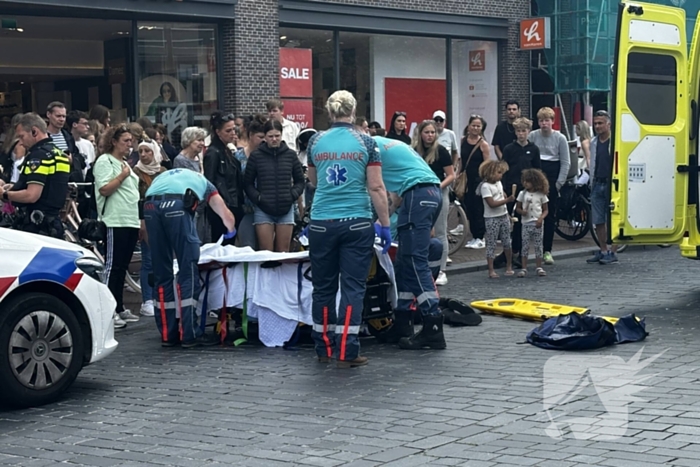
{"x":339,"y":249}
{"x":435,"y":257}
{"x":417,"y":214}
{"x":172,"y":229}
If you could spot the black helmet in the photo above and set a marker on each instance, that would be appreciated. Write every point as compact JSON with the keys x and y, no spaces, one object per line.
{"x":304,"y":137}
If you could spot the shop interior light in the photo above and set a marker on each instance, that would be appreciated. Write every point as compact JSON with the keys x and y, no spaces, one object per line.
{"x":283,"y":38}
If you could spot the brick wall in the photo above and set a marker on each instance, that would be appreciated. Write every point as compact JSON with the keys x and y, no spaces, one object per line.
{"x":253,"y":75}
{"x":251,"y":56}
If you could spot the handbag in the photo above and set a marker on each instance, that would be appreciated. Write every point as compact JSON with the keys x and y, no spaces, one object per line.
{"x":92,"y":229}
{"x":461,"y":183}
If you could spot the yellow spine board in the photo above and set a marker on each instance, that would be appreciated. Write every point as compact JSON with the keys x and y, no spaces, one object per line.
{"x":528,"y":309}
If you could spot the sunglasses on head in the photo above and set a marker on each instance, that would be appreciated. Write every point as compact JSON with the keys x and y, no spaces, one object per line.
{"x":400,"y":113}
{"x":475,"y":116}
{"x":228,"y":118}
{"x":602,"y":113}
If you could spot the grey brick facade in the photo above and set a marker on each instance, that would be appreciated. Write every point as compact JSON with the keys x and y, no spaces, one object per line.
{"x":251,"y":47}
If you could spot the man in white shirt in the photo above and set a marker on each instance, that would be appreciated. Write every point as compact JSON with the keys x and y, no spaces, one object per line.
{"x":290,"y":129}
{"x":446,"y":137}
{"x":78,"y":123}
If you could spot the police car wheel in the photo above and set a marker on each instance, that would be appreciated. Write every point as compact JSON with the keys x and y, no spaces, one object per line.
{"x":41,"y":349}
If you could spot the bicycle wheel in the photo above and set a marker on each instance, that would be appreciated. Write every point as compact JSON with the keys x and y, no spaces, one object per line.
{"x":456,"y":228}
{"x":620,"y":246}
{"x":133,"y":272}
{"x":574,"y":223}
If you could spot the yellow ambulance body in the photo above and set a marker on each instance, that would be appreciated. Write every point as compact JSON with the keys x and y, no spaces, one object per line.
{"x":655,"y":113}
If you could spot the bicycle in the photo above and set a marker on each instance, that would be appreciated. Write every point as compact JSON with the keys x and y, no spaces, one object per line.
{"x":71,"y":219}
{"x":574,"y":218}
{"x":456,"y":225}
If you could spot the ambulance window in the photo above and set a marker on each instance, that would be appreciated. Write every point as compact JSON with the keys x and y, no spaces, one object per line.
{"x":651,"y":88}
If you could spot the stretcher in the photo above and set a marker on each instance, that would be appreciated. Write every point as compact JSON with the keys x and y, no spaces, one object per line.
{"x":530,"y":310}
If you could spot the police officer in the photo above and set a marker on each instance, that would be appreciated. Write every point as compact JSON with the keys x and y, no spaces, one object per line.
{"x":42,"y":187}
{"x":416,"y":189}
{"x":168,"y":210}
{"x":343,"y":165}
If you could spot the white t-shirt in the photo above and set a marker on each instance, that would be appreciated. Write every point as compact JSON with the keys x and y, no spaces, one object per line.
{"x":290,"y":131}
{"x":86,"y":149}
{"x":495,"y":191}
{"x":532,"y":205}
{"x":448,"y":140}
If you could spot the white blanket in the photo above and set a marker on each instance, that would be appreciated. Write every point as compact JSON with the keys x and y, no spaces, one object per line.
{"x":275,"y":290}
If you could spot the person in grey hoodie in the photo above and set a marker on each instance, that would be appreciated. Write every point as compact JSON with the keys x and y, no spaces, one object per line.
{"x":555,"y":159}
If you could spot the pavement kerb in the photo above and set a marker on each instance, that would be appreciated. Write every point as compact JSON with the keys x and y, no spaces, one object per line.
{"x":473,"y":266}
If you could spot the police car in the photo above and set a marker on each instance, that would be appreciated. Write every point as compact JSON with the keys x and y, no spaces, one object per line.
{"x":55,"y":316}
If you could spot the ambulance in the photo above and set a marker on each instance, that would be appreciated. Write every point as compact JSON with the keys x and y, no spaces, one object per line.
{"x":655,"y":123}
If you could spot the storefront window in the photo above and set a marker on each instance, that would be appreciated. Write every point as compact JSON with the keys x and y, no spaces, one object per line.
{"x":177,"y":74}
{"x":391,"y":74}
{"x":306,"y":75}
{"x":475,"y":84}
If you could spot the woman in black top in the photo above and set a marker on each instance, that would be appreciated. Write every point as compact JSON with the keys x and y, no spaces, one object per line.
{"x":474,"y":151}
{"x":397,"y":129}
{"x":268,"y":183}
{"x":223,"y":170}
{"x":439,"y":159}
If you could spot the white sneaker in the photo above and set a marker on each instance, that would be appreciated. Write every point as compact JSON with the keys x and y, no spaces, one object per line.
{"x":459,"y":230}
{"x":441,"y":279}
{"x":449,"y":260}
{"x":128,"y":316}
{"x":479,"y":244}
{"x":147,"y":308}
{"x":118,"y":322}
{"x":470,"y":243}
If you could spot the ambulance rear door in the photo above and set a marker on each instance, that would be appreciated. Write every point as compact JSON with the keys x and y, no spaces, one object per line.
{"x":650,"y":111}
{"x":691,"y":246}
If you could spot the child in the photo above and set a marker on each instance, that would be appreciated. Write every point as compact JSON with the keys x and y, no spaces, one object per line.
{"x":532,"y":206}
{"x":496,"y":213}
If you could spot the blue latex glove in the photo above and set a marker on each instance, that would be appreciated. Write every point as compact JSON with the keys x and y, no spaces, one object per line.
{"x":378,"y":229}
{"x":385,"y":236}
{"x":230,"y":235}
{"x":304,"y":232}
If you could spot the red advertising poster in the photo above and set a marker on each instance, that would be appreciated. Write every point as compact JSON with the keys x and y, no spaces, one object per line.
{"x":419,"y":98}
{"x":300,"y":111}
{"x":295,"y":73}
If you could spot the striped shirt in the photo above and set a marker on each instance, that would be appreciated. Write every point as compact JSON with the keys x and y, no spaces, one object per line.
{"x":59,"y":141}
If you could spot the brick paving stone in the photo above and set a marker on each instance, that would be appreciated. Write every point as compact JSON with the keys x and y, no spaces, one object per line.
{"x":478,"y":403}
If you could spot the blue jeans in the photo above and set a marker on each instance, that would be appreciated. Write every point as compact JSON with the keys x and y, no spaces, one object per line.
{"x":146,"y":270}
{"x":419,"y":210}
{"x":172,"y":229}
{"x":339,"y":249}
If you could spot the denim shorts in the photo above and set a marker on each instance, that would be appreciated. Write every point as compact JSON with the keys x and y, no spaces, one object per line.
{"x":261,"y":217}
{"x":600,"y":203}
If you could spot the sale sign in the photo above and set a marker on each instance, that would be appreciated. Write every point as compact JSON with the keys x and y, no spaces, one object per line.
{"x":300,"y":111}
{"x":295,"y":73}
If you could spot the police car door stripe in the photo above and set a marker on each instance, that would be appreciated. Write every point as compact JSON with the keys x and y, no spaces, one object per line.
{"x":52,"y":264}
